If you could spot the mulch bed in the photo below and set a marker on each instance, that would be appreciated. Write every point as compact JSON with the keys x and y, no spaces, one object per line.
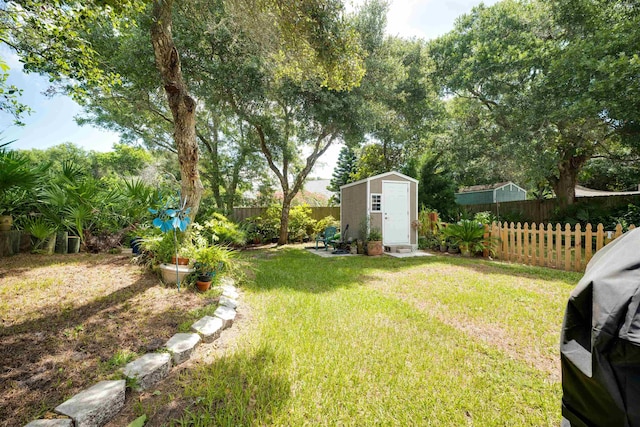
{"x":63,"y":318}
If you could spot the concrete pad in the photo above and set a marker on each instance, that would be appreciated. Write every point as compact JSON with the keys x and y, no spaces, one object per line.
{"x":226,"y":314}
{"x":209,"y":328}
{"x":327,"y":254}
{"x":181,"y":345}
{"x":228,"y":302}
{"x":148,"y":369}
{"x":408,"y":255}
{"x":96,"y":405}
{"x":58,"y":422}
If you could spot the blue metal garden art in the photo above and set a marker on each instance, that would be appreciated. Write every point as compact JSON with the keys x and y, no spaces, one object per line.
{"x":173,"y":216}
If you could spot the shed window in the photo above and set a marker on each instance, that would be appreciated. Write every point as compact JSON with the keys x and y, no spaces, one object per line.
{"x":376,"y":202}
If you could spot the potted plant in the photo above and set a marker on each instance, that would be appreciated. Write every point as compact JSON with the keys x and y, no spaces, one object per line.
{"x":209,"y":261}
{"x":173,"y":216}
{"x":374,"y":242}
{"x":467,"y":235}
{"x":443,"y":245}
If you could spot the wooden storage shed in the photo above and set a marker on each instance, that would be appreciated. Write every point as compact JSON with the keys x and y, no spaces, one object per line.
{"x":388,"y":202}
{"x":492,"y":193}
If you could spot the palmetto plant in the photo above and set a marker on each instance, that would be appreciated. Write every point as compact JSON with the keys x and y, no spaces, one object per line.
{"x":16,"y":172}
{"x":469,"y":236}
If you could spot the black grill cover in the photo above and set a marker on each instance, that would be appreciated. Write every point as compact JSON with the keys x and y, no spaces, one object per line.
{"x":600,"y":344}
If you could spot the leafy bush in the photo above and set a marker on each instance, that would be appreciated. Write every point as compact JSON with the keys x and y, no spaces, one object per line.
{"x":469,"y":236}
{"x":485,"y":217}
{"x":327,"y":221}
{"x":219,"y":229}
{"x":301,"y":225}
{"x":267,"y":225}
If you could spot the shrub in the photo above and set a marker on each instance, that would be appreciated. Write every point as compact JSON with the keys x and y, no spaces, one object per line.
{"x":469,"y":236}
{"x":327,"y":221}
{"x":301,"y":225}
{"x":219,"y":229}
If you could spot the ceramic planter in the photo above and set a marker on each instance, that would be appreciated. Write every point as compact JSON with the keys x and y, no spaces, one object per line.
{"x":73,"y":244}
{"x":374,"y":247}
{"x":169,"y":273}
{"x":6,"y":221}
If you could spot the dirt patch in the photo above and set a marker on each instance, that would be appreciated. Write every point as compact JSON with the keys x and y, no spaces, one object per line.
{"x":69,"y":321}
{"x":167,"y":400}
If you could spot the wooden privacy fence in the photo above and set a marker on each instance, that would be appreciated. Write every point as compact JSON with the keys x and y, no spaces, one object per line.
{"x":548,"y":246}
{"x":317,"y":213}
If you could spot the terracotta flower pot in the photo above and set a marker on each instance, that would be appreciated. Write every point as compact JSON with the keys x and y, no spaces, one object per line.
{"x":374,"y":247}
{"x":181,"y":261}
{"x":203,"y":286}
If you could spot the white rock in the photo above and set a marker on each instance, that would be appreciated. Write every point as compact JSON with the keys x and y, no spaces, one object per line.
{"x":181,"y":345}
{"x":96,"y":405}
{"x":208,"y":327}
{"x":148,"y":369}
{"x":226,"y":314}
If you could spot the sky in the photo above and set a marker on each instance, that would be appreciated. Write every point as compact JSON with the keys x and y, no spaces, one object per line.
{"x":52,"y":121}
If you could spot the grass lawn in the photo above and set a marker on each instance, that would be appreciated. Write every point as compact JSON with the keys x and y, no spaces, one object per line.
{"x":384,"y":341}
{"x":69,"y":321}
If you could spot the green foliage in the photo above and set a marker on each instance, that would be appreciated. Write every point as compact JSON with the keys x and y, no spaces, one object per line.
{"x":469,"y":236}
{"x":343,"y":172}
{"x":267,"y":225}
{"x":212,"y":259}
{"x":301,"y":225}
{"x":538,"y":86}
{"x":219,"y":229}
{"x":375,"y":235}
{"x":39,"y":228}
{"x":16,"y":173}
{"x":437,"y":188}
{"x":485,"y":218}
{"x":327,"y":221}
{"x":160,"y":247}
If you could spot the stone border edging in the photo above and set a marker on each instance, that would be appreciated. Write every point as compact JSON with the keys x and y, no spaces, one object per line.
{"x":99,"y":404}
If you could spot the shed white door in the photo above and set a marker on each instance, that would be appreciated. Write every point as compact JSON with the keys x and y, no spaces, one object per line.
{"x":395,"y":221}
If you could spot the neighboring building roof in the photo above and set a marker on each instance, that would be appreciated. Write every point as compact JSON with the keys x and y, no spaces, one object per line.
{"x":589,"y":192}
{"x":382,"y":175}
{"x":487,"y":187}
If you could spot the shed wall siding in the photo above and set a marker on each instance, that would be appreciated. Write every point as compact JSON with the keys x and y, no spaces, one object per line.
{"x":353,"y":208}
{"x":476,"y":198}
{"x":510,"y":194}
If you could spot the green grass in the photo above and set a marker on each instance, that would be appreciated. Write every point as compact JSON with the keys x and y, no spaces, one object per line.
{"x":362,"y":341}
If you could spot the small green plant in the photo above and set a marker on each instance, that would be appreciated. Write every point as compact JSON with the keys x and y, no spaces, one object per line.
{"x":375,"y":235}
{"x":468,"y":235}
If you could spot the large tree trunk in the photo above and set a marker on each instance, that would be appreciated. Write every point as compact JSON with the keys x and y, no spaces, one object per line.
{"x":182,"y":105}
{"x":564,"y":184}
{"x":284,"y":220}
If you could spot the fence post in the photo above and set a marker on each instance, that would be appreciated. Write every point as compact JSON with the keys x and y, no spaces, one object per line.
{"x":567,"y":247}
{"x":526,"y":258}
{"x":588,"y":244}
{"x":534,"y":246}
{"x":512,"y":243}
{"x":558,"y":245}
{"x":518,"y":246}
{"x":549,"y":245}
{"x":578,"y":250}
{"x":599,"y":237}
{"x":485,"y":251}
{"x":541,"y":260}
